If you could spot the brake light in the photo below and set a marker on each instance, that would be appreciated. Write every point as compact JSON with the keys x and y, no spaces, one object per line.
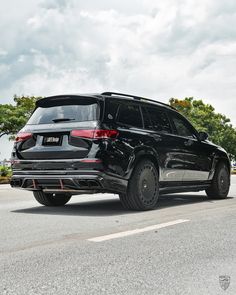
{"x":95,"y":133}
{"x":82,"y":133}
{"x":98,"y":133}
{"x":22,"y":136}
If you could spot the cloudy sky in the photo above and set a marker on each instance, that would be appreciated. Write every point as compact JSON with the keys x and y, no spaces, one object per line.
{"x":159,"y":49}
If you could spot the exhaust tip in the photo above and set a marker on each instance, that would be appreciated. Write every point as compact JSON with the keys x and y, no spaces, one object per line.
{"x":89,"y":183}
{"x":16,"y":183}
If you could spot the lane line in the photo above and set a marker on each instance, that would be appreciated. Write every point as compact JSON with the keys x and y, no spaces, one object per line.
{"x":135,"y":231}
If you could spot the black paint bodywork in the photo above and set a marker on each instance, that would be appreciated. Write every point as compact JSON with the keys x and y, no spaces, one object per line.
{"x":81,"y":165}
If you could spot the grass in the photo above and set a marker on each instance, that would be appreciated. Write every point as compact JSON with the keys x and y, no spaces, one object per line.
{"x":5,"y":174}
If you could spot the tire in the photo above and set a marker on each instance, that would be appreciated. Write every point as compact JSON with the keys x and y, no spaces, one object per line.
{"x":51,"y":199}
{"x":124,"y":201}
{"x":220,"y":184}
{"x":143,"y":188}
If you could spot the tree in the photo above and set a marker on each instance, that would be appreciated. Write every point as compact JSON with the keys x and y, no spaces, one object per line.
{"x":204,"y":118}
{"x":14,"y":116}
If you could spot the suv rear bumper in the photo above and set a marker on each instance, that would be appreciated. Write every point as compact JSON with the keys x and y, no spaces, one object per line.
{"x":73,"y":183}
{"x":67,"y":177}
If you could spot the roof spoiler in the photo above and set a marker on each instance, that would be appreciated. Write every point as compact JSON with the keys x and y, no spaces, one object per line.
{"x":65,"y":99}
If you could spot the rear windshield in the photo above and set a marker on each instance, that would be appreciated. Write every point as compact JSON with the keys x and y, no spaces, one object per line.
{"x":65,"y":113}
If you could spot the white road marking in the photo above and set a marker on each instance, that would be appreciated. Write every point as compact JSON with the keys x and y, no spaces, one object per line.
{"x":136,"y":231}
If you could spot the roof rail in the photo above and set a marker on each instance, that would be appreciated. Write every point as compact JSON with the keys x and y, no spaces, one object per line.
{"x":137,"y":98}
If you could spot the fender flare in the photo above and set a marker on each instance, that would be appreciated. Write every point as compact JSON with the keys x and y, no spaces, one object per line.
{"x":219,"y":157}
{"x":139,"y":154}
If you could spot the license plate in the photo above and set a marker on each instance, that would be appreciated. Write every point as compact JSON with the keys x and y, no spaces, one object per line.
{"x":52,"y":140}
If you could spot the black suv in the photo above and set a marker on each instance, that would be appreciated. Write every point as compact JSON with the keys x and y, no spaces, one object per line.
{"x":114,"y":143}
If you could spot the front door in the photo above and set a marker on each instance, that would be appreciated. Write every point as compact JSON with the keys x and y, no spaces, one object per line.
{"x":196,"y":155}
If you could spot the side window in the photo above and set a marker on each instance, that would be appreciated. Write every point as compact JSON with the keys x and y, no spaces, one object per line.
{"x":130,"y":115}
{"x":146,"y":119}
{"x":182,"y":127}
{"x":159,"y":119}
{"x":111,"y":110}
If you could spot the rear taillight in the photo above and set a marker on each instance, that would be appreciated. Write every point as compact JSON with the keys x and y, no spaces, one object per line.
{"x":95,"y":133}
{"x":22,"y":136}
{"x":91,"y":161}
{"x":98,"y":133}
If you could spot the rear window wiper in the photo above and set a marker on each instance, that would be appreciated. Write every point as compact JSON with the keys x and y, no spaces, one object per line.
{"x":62,"y":120}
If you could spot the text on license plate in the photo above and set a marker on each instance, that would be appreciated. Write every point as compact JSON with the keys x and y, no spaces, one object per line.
{"x":51,"y":140}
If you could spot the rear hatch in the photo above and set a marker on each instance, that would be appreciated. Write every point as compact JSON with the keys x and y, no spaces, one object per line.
{"x":51,"y":132}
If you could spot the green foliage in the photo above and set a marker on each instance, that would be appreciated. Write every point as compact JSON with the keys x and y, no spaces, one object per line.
{"x":5,"y":171}
{"x":14,"y":116}
{"x":204,"y":118}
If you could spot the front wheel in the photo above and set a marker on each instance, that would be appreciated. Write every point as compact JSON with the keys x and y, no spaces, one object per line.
{"x":220,"y":184}
{"x":51,"y":199}
{"x":143,"y":188}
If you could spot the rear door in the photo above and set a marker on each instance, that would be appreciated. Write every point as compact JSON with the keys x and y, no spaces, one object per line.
{"x":196,"y":156}
{"x":126,"y":118}
{"x":53,"y":126}
{"x":162,"y":139}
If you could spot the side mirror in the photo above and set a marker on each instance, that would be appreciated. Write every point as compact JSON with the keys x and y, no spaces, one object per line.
{"x":202,"y":135}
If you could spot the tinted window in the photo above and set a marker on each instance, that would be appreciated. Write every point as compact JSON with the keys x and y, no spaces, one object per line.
{"x":74,"y":113}
{"x":111,"y":110}
{"x":146,"y":119}
{"x":182,"y":127}
{"x":159,"y":119}
{"x":130,"y":115}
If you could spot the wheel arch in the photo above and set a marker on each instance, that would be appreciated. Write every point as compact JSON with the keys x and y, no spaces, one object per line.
{"x":141,"y":155}
{"x":220,"y":158}
{"x":224,"y":161}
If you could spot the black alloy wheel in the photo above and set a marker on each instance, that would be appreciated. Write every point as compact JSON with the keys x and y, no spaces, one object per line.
{"x":220,"y":185}
{"x":143,"y":188}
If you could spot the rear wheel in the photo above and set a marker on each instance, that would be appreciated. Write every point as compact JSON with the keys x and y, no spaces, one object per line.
{"x":143,"y":188}
{"x":51,"y":199}
{"x":219,"y":188}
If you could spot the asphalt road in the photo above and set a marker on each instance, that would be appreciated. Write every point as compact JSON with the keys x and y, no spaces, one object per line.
{"x":93,"y":246}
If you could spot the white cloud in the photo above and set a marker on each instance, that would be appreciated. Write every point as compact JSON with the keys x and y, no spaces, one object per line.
{"x":159,"y":49}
